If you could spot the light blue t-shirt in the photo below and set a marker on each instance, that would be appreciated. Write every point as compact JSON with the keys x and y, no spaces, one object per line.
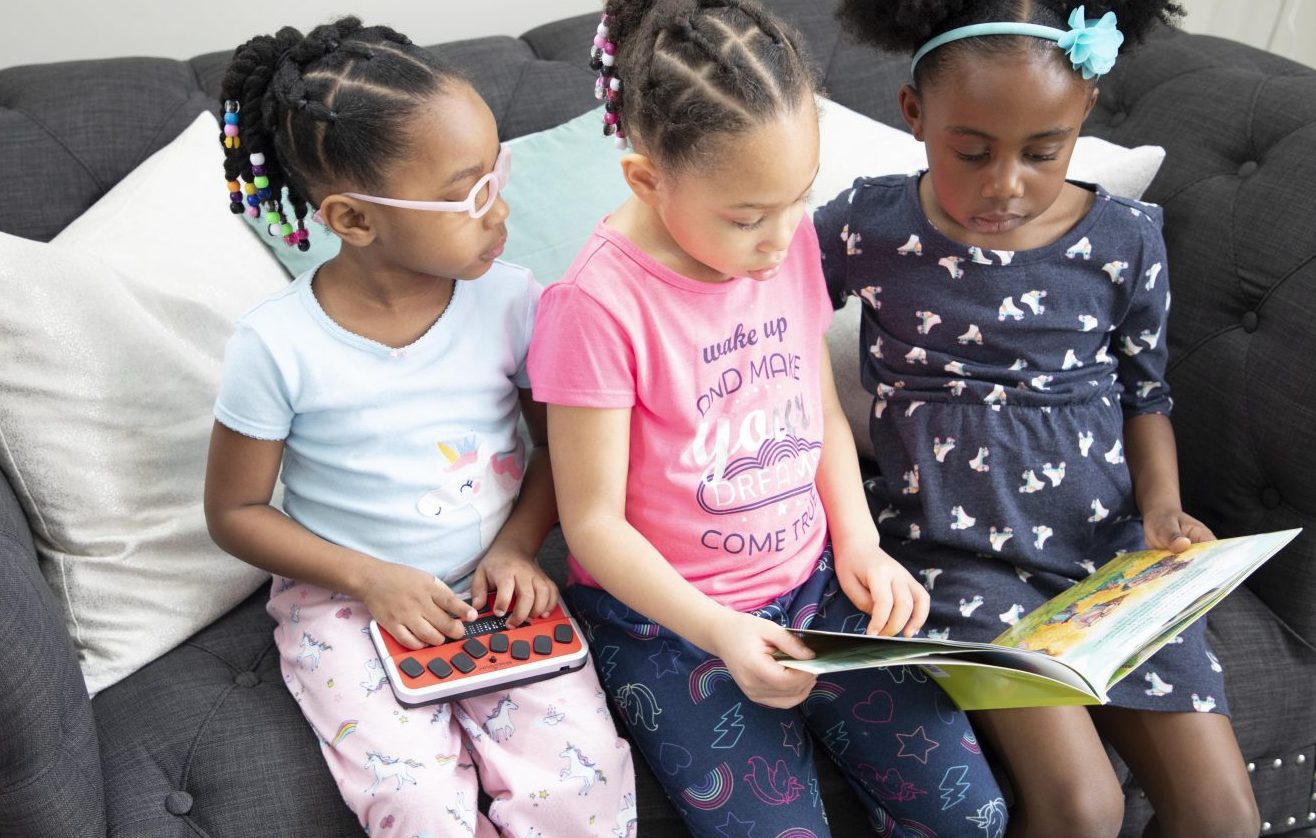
{"x":410,"y":455}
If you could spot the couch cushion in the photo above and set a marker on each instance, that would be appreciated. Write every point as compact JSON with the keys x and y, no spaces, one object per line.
{"x":50,"y":781}
{"x":188,"y":743}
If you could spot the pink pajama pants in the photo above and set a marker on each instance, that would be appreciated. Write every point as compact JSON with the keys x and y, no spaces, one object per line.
{"x":547,"y":754}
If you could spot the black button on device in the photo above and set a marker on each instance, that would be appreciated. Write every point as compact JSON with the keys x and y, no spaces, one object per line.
{"x":543,"y":645}
{"x":474,"y":648}
{"x":520,"y":650}
{"x":498,"y":643}
{"x":562,"y":633}
{"x":440,"y":668}
{"x":411,"y":668}
{"x":462,"y":663}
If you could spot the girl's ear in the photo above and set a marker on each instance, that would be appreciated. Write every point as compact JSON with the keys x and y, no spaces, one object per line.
{"x":348,"y":219}
{"x":911,"y":109}
{"x":1092,"y":101}
{"x":641,"y":176}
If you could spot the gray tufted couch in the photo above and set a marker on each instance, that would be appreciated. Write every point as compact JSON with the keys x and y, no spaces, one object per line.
{"x":206,"y":742}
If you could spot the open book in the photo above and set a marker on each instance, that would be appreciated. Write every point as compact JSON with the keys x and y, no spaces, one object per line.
{"x":1074,"y":647}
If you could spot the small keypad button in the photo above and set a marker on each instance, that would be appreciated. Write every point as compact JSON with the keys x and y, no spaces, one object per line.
{"x":498,"y":643}
{"x":474,"y":648}
{"x":411,"y":667}
{"x":520,"y":650}
{"x":543,"y":645}
{"x":562,"y":633}
{"x":462,"y":663}
{"x":440,"y":668}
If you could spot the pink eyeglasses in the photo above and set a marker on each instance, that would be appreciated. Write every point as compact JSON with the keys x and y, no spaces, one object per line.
{"x":479,"y":202}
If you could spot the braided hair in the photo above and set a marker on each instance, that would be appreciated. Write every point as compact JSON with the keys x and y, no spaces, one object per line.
{"x":678,"y":71}
{"x":905,"y":25}
{"x":305,"y":111}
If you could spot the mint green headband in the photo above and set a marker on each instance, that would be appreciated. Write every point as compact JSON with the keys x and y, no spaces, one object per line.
{"x":1090,"y":44}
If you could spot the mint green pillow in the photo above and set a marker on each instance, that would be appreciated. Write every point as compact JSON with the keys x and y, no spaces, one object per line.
{"x":564,"y":180}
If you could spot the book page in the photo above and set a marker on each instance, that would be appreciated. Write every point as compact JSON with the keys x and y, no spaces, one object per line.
{"x":1114,"y":614}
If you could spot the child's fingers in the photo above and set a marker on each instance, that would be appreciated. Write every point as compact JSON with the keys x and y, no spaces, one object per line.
{"x":523,"y":602}
{"x":902,"y":606}
{"x":545,"y":596}
{"x":790,"y":644}
{"x":427,"y":633}
{"x":1198,"y":532}
{"x":922,"y":604}
{"x":881,"y":608}
{"x":479,"y":589}
{"x":451,"y":604}
{"x":505,"y":594}
{"x":404,"y":636}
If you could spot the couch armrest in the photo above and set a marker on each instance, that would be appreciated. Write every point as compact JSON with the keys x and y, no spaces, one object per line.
{"x":50,"y":774}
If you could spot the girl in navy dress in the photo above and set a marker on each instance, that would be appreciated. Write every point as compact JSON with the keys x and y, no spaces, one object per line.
{"x":1014,"y":337}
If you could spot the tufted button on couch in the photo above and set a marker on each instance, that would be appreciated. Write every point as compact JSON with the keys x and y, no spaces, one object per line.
{"x":206,"y":741}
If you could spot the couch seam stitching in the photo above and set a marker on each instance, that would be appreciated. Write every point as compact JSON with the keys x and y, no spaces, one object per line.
{"x":59,"y":142}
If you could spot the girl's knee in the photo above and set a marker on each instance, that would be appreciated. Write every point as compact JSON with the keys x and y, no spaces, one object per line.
{"x":1094,"y":810}
{"x":1225,"y":814}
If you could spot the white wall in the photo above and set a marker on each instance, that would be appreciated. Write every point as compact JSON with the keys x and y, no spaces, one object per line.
{"x":36,"y":31}
{"x":1287,"y":27}
{"x":183,"y":28}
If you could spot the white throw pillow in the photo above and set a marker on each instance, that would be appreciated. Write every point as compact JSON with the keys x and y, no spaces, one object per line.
{"x":852,"y":146}
{"x":113,"y":337}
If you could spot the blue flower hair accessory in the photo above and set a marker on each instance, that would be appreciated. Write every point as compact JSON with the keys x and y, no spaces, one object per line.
{"x":1092,"y":45}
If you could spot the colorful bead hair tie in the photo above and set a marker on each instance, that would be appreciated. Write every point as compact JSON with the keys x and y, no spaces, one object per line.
{"x":607,"y":87}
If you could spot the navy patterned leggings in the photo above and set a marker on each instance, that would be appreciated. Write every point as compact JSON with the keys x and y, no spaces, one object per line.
{"x":732,"y":767}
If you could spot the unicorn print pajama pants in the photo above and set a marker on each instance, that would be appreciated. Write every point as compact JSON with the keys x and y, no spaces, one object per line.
{"x":547,"y":754}
{"x":736,"y":768}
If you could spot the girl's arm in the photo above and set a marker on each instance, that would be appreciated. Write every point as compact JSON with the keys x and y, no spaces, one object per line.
{"x":1154,"y":466}
{"x":875,"y":582}
{"x":415,"y":607}
{"x":592,"y":447}
{"x":509,"y":565}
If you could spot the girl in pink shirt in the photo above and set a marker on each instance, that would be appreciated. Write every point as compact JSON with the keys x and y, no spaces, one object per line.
{"x":707,"y":481}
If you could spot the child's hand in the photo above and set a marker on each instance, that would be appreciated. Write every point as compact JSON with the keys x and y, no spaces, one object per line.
{"x":513,"y":575}
{"x":1173,"y":529}
{"x":414,"y":606}
{"x":746,"y":643}
{"x":878,"y":584}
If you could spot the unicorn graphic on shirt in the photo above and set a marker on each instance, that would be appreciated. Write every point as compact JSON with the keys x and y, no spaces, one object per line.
{"x":471,"y":478}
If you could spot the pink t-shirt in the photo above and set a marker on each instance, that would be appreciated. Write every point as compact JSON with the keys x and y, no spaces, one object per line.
{"x":726,"y":414}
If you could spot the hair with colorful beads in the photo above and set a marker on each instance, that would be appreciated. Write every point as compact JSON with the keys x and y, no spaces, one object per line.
{"x":328,"y":109}
{"x":678,"y":72}
{"x":906,"y":25}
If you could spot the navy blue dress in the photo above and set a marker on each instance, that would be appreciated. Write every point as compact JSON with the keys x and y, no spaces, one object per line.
{"x":1001,"y":382}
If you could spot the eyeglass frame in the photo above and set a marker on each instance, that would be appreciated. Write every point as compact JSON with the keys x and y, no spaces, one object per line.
{"x":496,"y":180}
